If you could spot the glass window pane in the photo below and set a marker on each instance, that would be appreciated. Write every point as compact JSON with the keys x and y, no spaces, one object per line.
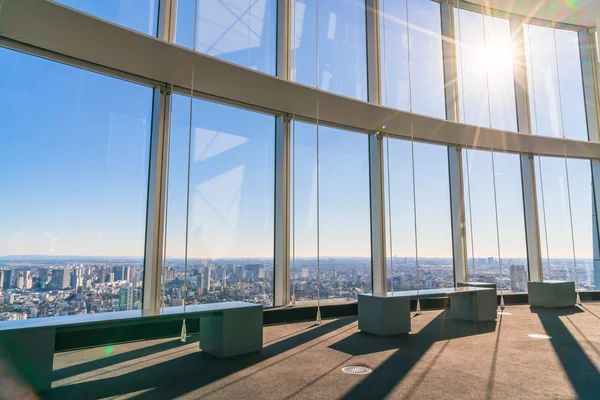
{"x":555,"y":224}
{"x":339,"y":48}
{"x":426,"y":70}
{"x":433,"y":216}
{"x":556,"y":101}
{"x":231,"y":210}
{"x":239,"y":31}
{"x":482,"y":237}
{"x":484,"y":58}
{"x":75,"y":163}
{"x":138,"y":15}
{"x":344,"y":214}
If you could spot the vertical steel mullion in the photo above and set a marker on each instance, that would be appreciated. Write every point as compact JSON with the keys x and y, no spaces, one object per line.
{"x":375,"y":148}
{"x":596,"y":213}
{"x":167,"y":11}
{"x":455,"y":171}
{"x":281,"y":262}
{"x":283,"y":38}
{"x":155,"y":234}
{"x":588,"y":57}
{"x":377,"y":204}
{"x":373,"y":52}
{"x":589,"y":83}
{"x":528,"y":179}
{"x":282,"y":212}
{"x":159,"y":145}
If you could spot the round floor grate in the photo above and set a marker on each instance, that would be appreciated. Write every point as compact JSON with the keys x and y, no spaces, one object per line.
{"x":538,"y":336}
{"x":357,"y":370}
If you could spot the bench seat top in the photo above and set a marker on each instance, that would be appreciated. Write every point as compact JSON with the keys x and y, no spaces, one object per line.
{"x":120,"y":317}
{"x":432,"y":293}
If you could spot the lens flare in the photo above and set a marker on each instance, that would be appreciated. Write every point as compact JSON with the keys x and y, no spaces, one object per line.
{"x":108,"y":350}
{"x":572,"y":3}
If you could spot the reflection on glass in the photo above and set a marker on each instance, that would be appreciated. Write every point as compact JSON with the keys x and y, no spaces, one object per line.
{"x":231,"y":226}
{"x":433,"y":216}
{"x":555,"y":83}
{"x":75,"y":174}
{"x":139,"y":15}
{"x":482,"y":252}
{"x":345,"y":244}
{"x":555,"y":228}
{"x":239,"y":31}
{"x":484,"y":60}
{"x":426,"y":69}
{"x":337,"y":44}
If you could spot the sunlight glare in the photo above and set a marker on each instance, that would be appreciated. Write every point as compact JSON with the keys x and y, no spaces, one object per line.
{"x":495,"y":57}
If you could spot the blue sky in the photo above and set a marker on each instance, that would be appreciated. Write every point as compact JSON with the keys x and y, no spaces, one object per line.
{"x":75,"y":144}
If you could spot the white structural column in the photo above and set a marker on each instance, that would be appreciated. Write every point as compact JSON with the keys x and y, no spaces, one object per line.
{"x":282,"y":212}
{"x":376,"y":166}
{"x":457,"y":200}
{"x":588,"y":49}
{"x":157,"y":183}
{"x":155,"y":217}
{"x":530,"y":207}
{"x":281,"y":262}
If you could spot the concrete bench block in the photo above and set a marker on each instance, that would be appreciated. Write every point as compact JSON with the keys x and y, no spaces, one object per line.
{"x":236,"y":332}
{"x":383,"y":316}
{"x":476,"y":306}
{"x":552,"y":294}
{"x":28,"y":355}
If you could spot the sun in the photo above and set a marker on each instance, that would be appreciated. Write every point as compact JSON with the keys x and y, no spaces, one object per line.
{"x":496,"y":57}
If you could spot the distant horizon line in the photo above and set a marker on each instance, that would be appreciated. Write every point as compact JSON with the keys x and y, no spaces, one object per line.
{"x":40,"y":256}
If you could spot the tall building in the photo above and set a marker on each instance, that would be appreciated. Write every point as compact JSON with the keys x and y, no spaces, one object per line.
{"x":77,"y":278}
{"x":61,"y":279}
{"x":122,"y":273}
{"x":28,"y":279}
{"x":43,"y":275}
{"x":224,"y":277}
{"x":126,"y":298}
{"x":206,"y":279}
{"x":20,"y":281}
{"x":255,"y":271}
{"x":200,"y":282}
{"x":518,"y":278}
{"x":7,"y":278}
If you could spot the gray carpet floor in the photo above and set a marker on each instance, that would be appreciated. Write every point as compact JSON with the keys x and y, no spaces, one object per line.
{"x":440,"y":359}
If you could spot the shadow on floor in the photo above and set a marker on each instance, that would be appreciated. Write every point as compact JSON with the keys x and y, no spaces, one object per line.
{"x":410,"y":349}
{"x":178,"y":376}
{"x":582,"y":373}
{"x":89,"y":366}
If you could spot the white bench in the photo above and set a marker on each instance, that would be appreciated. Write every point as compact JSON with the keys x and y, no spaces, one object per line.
{"x":226,"y":330}
{"x":390,"y":315}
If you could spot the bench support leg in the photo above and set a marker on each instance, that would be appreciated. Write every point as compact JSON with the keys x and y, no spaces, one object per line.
{"x":236,"y":332}
{"x":26,"y":357}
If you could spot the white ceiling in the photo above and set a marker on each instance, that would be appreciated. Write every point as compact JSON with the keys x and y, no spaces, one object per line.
{"x":578,"y":12}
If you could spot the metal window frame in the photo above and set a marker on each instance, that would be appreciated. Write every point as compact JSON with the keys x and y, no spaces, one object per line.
{"x":455,"y":168}
{"x":375,"y":148}
{"x":588,"y":56}
{"x":281,"y":256}
{"x":528,"y":178}
{"x":157,"y":176}
{"x":237,"y":86}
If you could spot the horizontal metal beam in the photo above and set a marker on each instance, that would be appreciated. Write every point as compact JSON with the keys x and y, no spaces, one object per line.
{"x":61,"y":30}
